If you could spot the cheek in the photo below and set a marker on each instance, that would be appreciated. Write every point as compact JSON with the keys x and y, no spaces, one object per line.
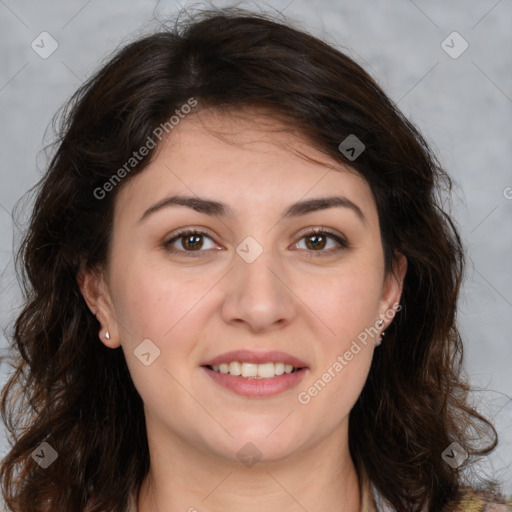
{"x":153,"y":304}
{"x":348,"y":302}
{"x":163,"y":306}
{"x":152,"y":301}
{"x":343,"y":358}
{"x":348,"y":306}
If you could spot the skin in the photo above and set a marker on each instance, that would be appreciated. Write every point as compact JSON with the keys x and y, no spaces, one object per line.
{"x":295,"y":297}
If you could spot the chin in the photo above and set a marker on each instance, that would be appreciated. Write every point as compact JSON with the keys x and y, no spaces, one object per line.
{"x":255,"y":445}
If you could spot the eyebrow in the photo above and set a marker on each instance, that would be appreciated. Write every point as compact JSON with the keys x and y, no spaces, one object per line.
{"x":217,"y":209}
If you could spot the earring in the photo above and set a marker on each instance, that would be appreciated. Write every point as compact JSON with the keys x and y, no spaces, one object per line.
{"x":380,"y":338}
{"x":379,"y":324}
{"x":107,"y":335}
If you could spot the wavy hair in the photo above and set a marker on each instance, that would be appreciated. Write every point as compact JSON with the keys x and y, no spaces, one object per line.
{"x":71,"y":391}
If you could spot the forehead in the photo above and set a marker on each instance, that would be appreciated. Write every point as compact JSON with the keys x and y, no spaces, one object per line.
{"x":249,"y":136}
{"x":248,"y":159}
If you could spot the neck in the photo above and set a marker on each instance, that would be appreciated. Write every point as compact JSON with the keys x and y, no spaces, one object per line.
{"x":321,"y":478}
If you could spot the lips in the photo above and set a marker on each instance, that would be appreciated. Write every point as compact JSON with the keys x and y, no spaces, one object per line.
{"x":270,"y":384}
{"x":256,"y":357}
{"x":253,"y":387}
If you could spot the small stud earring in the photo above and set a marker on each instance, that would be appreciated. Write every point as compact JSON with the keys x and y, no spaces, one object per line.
{"x":107,"y":335}
{"x":380,"y":323}
{"x":380,"y":338}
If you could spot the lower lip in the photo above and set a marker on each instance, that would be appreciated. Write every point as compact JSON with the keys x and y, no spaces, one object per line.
{"x":257,"y":387}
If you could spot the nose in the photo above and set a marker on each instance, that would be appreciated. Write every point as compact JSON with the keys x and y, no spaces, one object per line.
{"x":258,"y":296}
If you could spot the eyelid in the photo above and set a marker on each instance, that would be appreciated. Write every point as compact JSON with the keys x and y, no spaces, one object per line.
{"x":321,"y":231}
{"x":187,"y":231}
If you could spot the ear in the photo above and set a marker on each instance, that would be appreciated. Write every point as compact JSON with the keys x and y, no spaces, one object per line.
{"x":94,"y":289}
{"x":392,"y":289}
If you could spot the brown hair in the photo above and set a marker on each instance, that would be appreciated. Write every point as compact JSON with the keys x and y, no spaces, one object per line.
{"x":70,"y":390}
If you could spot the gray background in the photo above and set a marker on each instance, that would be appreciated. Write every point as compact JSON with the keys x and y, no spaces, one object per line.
{"x":462,"y":105}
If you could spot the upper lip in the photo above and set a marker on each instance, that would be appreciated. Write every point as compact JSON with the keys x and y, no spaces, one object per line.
{"x":256,"y":357}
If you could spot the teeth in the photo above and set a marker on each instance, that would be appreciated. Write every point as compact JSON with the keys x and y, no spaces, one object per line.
{"x":235,"y":368}
{"x":249,"y":370}
{"x":266,"y":370}
{"x":252,"y":370}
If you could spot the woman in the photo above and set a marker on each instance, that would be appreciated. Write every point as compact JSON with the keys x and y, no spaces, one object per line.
{"x":241,"y":291}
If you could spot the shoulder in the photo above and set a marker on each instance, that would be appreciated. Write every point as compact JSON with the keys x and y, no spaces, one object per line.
{"x":471,"y":500}
{"x":466,"y":500}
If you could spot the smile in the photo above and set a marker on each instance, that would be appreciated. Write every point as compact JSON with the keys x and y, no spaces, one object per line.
{"x":252,"y":370}
{"x":255,"y":386}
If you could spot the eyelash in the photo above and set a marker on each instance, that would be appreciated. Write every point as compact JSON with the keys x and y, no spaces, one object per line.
{"x":343,"y":244}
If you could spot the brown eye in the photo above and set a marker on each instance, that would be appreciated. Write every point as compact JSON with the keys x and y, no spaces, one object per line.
{"x":192,"y":242}
{"x":189,"y":242}
{"x":315,"y":242}
{"x":323,"y":243}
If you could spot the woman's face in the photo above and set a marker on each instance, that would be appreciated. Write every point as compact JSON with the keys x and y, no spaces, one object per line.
{"x":258,"y":280}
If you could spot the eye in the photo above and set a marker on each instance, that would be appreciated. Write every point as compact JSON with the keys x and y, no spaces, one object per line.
{"x":190,"y":241}
{"x":317,"y":240}
{"x":321,"y":241}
